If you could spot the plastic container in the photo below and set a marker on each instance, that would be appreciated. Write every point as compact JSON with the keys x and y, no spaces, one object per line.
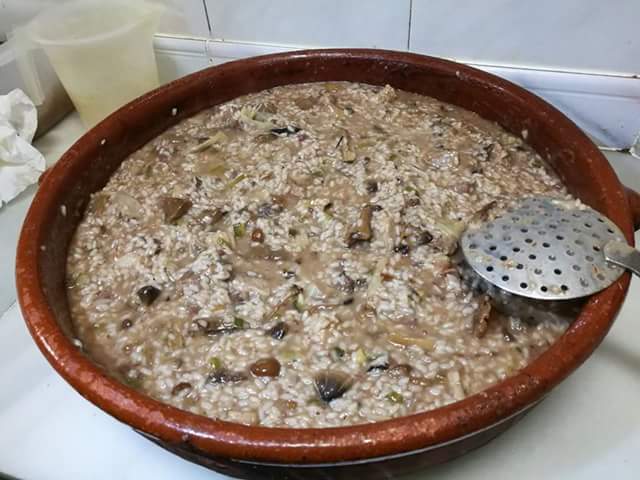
{"x":53,"y":103}
{"x":101,"y":51}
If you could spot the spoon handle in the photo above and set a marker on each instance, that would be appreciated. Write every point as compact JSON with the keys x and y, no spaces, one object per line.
{"x":623,"y":255}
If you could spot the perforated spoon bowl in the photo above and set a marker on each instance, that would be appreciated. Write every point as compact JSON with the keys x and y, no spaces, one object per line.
{"x":541,"y":249}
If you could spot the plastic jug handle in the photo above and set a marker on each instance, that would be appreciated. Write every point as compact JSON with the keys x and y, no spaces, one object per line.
{"x":24,"y":48}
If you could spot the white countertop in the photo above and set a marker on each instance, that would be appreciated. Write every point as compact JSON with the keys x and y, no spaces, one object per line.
{"x":588,"y":428}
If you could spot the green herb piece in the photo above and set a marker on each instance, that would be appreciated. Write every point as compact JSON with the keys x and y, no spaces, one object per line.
{"x":395,"y":397}
{"x":298,"y":303}
{"x":361,"y":357}
{"x":235,"y":181}
{"x":215,"y":363}
{"x":239,"y":229}
{"x":223,"y":242}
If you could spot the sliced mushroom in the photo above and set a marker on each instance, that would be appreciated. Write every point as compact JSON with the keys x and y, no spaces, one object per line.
{"x":285,"y":131}
{"x":257,"y":235}
{"x":450,"y":233}
{"x":201,"y":325}
{"x":265,"y":367}
{"x":222,"y":375}
{"x":291,"y":299}
{"x":148,"y":294}
{"x":180,"y":387}
{"x":425,"y":238}
{"x":126,"y":324}
{"x":221,"y":330}
{"x":331,"y":385}
{"x":174,"y":208}
{"x":278,"y":331}
{"x":402,"y":249}
{"x":481,"y":317}
{"x":361,"y":232}
{"x":210,"y":217}
{"x":482,"y":215}
{"x":379,"y":363}
{"x":371,"y":186}
{"x":401,"y":370}
{"x":345,"y":144}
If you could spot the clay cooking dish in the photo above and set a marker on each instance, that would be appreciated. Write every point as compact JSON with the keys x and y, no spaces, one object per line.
{"x":377,"y":449}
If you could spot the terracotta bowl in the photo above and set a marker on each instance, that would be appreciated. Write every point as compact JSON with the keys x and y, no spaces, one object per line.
{"x":377,"y":449}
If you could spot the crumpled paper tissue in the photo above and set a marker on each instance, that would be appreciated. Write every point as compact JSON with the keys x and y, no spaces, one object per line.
{"x":20,"y":163}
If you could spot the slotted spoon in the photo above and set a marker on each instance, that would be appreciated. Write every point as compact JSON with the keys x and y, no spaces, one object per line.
{"x":543,"y":251}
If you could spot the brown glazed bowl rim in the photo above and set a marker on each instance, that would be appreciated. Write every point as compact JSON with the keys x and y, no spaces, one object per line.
{"x":325,"y":445}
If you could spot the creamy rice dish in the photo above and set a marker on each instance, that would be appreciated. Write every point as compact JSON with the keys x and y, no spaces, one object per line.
{"x":285,"y":259}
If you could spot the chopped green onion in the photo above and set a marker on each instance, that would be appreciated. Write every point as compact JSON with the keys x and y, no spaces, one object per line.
{"x":289,"y":355}
{"x":239,"y":229}
{"x":395,"y":397}
{"x":215,"y":363}
{"x":223,"y":242}
{"x":361,"y":357}
{"x":298,"y":303}
{"x":239,"y":322}
{"x":235,"y":181}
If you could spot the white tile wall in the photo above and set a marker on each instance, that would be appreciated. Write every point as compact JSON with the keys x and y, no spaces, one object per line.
{"x":575,"y":35}
{"x":354,"y":23}
{"x":189,"y":18}
{"x":584,"y":35}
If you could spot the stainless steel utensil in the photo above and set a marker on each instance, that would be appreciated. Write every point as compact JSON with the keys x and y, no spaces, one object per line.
{"x":543,"y":250}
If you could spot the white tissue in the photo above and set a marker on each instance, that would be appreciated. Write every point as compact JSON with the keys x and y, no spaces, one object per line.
{"x":20,"y":163}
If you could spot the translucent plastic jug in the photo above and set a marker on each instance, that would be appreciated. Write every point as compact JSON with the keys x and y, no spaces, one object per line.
{"x":102,"y":51}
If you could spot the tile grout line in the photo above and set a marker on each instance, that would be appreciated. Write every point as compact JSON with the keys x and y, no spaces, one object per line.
{"x":206,"y":14}
{"x":409,"y":29}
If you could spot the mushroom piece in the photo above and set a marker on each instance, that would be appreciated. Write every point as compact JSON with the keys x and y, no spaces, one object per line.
{"x":285,"y":131}
{"x":292,"y":299}
{"x":401,"y":370}
{"x":362,"y":230}
{"x":257,"y":235}
{"x":180,"y":387}
{"x":222,"y":375}
{"x":371,"y":186}
{"x":265,"y":367}
{"x":425,"y":238}
{"x":174,"y":208}
{"x":481,"y":317}
{"x":379,"y":363}
{"x":278,"y":331}
{"x":345,"y":144}
{"x":331,"y":385}
{"x":148,"y":294}
{"x":210,"y":217}
{"x":482,"y":215}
